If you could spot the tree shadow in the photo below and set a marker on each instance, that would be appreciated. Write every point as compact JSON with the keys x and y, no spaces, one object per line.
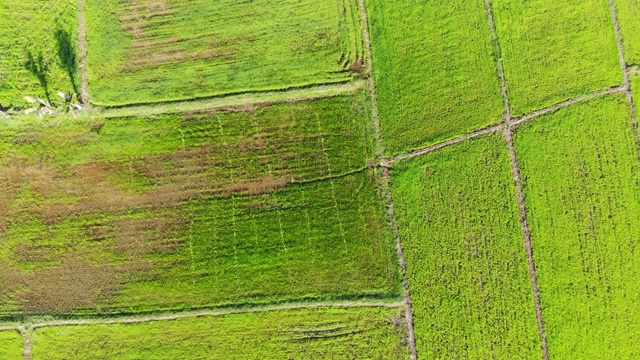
{"x":67,"y":56}
{"x":37,"y":66}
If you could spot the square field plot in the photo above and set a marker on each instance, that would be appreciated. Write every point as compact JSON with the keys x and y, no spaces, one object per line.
{"x":37,"y":50}
{"x":580,"y":172}
{"x":10,"y":345}
{"x":466,"y":262}
{"x":191,"y":210}
{"x":158,"y":50}
{"x":435,"y":71}
{"x":323,"y":333}
{"x":555,"y":50}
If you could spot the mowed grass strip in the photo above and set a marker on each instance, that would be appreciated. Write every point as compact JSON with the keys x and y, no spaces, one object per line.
{"x":247,"y":205}
{"x":466,"y":263}
{"x":323,"y":333}
{"x":152,"y":51}
{"x":580,"y":174}
{"x":37,"y":50}
{"x":10,"y":345}
{"x":628,"y":15}
{"x":555,"y":50}
{"x":435,"y":73}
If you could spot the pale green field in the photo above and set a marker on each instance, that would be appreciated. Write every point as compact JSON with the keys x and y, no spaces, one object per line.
{"x":555,"y":50}
{"x":10,"y":345}
{"x":628,"y":16}
{"x":580,"y":171}
{"x":466,"y":261}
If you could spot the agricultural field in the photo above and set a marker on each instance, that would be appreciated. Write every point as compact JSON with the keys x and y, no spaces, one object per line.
{"x":37,"y":50}
{"x":628,"y":15}
{"x":247,"y":205}
{"x":324,"y":333}
{"x":435,"y":71}
{"x":580,"y":173}
{"x":466,"y":263}
{"x":156,"y":50}
{"x":10,"y":345}
{"x":555,"y":50}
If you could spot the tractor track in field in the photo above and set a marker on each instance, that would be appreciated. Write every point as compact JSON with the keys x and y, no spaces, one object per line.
{"x":515,"y":169}
{"x":623,"y":65}
{"x":26,"y":328}
{"x":385,"y":182}
{"x":82,"y":52}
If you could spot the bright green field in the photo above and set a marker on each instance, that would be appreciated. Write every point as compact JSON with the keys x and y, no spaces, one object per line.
{"x":324,"y":333}
{"x":190,"y":210}
{"x":33,"y":29}
{"x":629,"y":17}
{"x":435,"y":72}
{"x":150,"y":51}
{"x":555,"y":50}
{"x":465,"y":256}
{"x":10,"y":345}
{"x":580,"y":172}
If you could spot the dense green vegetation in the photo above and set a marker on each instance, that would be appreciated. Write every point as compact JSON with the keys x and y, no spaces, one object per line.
{"x":580,"y":172}
{"x":555,"y":50}
{"x":324,"y":333}
{"x":159,"y":50}
{"x":10,"y":345}
{"x":37,"y":50}
{"x":434,"y":68}
{"x":187,"y":210}
{"x":465,"y":257}
{"x":628,"y":15}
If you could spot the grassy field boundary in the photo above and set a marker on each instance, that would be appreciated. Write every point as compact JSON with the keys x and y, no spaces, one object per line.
{"x":25,"y":333}
{"x":623,"y":64}
{"x":26,"y":327}
{"x":385,"y":185}
{"x":515,"y":170}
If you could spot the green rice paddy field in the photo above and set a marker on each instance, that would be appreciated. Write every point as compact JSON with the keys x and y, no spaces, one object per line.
{"x":225,"y":191}
{"x":325,"y":333}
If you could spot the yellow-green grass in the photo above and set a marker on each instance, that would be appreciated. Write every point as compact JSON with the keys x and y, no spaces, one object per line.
{"x":37,"y":30}
{"x":251,"y":205}
{"x":466,"y":262}
{"x":10,"y":345}
{"x":555,"y":50}
{"x":323,"y":333}
{"x":629,"y":15}
{"x":434,"y":69}
{"x":580,"y":172}
{"x":152,"y":51}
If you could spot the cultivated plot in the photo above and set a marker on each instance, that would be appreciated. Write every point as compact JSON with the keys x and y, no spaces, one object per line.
{"x":37,"y":50}
{"x":555,"y":50}
{"x":435,"y":72}
{"x":466,"y":261}
{"x":580,"y":173}
{"x":155,"y":50}
{"x":187,"y":210}
{"x":10,"y":345}
{"x":628,"y":15}
{"x":324,"y":333}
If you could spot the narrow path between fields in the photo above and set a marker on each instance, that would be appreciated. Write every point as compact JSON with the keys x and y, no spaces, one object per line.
{"x":82,"y":53}
{"x":515,"y":169}
{"x":623,"y":66}
{"x":385,"y":183}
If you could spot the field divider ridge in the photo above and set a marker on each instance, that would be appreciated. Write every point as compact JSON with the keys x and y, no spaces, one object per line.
{"x":82,"y":53}
{"x":176,"y":315}
{"x":247,"y":99}
{"x":385,"y":182}
{"x":515,"y":170}
{"x":25,"y":334}
{"x":623,"y":65}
